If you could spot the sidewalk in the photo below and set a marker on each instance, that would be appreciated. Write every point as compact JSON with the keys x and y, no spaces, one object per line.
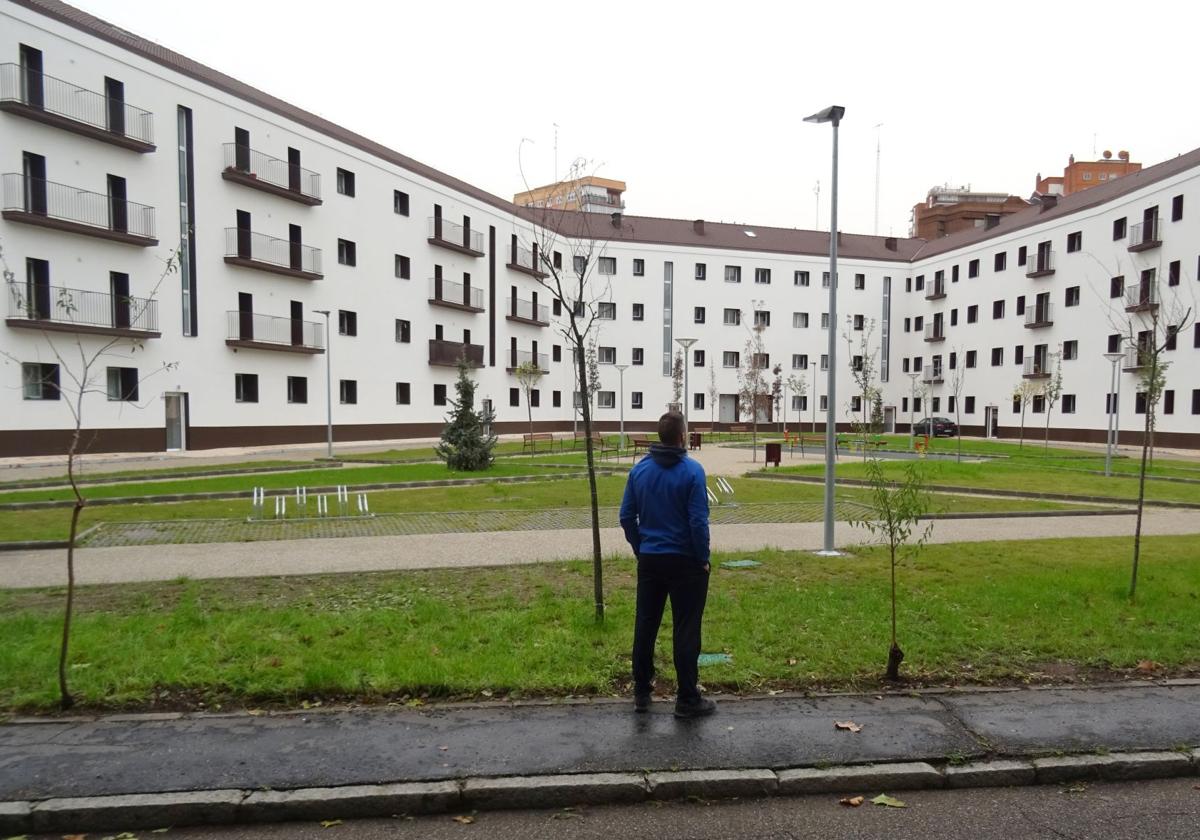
{"x":446,"y":757}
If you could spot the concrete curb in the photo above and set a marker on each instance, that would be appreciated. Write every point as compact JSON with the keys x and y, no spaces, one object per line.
{"x":223,"y":807}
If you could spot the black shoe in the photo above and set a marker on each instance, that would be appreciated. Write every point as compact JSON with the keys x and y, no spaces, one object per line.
{"x":695,"y":708}
{"x":641,"y":702}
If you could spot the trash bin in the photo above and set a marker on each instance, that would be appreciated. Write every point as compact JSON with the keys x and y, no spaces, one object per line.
{"x":774,"y":453}
{"x":694,"y":440}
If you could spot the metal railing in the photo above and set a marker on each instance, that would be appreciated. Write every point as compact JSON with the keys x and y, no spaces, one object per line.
{"x":273,"y":170}
{"x":70,"y":101}
{"x":59,"y":305}
{"x":72,"y":204}
{"x":936,"y":290}
{"x":932,"y":374}
{"x":526,"y":309}
{"x":449,"y":352}
{"x":249,"y":245}
{"x":1144,"y":233}
{"x":525,"y":259}
{"x":520,"y":357}
{"x":1040,"y":315}
{"x":271,"y":329}
{"x":1136,"y":358}
{"x":448,"y":291}
{"x":1033,"y":366}
{"x":455,"y":234}
{"x":934,"y":332}
{"x":602,"y":200}
{"x":1141,"y":295}
{"x":1041,"y":262}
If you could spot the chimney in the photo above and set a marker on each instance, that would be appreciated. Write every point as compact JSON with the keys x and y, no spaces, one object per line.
{"x":616,"y":220}
{"x":890,"y":243}
{"x":1048,"y":201}
{"x":698,"y":226}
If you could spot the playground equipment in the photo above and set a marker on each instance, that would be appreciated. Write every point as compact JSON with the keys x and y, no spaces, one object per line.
{"x":344,"y":509}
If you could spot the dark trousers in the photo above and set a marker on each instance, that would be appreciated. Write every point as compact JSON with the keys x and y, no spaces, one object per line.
{"x":684,"y":581}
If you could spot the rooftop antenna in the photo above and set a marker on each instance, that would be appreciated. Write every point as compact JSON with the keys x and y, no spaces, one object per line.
{"x":817,"y":195}
{"x":877,"y":147}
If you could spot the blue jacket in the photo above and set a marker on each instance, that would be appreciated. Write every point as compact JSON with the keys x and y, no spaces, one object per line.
{"x":665,"y":509}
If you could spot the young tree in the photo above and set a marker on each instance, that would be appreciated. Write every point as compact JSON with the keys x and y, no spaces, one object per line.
{"x":713,"y":394}
{"x":1023,"y":395}
{"x":895,"y":515}
{"x":958,"y":378}
{"x":1050,"y":394}
{"x":465,"y":444}
{"x":753,"y":389}
{"x":80,"y":363}
{"x":677,"y":382}
{"x":861,"y":358}
{"x":877,"y":412}
{"x":777,"y":390}
{"x":798,"y":387}
{"x":529,"y":373}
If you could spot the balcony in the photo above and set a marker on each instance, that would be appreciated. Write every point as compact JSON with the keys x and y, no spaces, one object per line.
{"x":932,"y":375}
{"x":1136,"y":358}
{"x":52,"y":101}
{"x":1040,"y":264}
{"x":935,"y":291}
{"x":1141,"y":298}
{"x":446,"y":234}
{"x":57,"y":309}
{"x":33,"y":201}
{"x":1144,"y":236}
{"x":447,"y":353}
{"x":453,"y":295}
{"x":1035,"y":368}
{"x":935,"y":332}
{"x":526,"y":312}
{"x":245,"y":248}
{"x":516,"y":358}
{"x":252,"y":331}
{"x":260,"y":171}
{"x":526,"y":261}
{"x":602,"y":201}
{"x":1039,"y":315}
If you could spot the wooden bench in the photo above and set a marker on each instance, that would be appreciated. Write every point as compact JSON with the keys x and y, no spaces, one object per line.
{"x":640,"y":442}
{"x":859,"y":444}
{"x":530,"y":442}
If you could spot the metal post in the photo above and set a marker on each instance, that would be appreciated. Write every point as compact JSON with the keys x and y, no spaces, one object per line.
{"x":1113,"y":358}
{"x":328,"y":385}
{"x":621,"y":374}
{"x":912,"y":408}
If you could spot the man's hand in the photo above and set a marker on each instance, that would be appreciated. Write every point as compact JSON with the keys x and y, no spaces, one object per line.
{"x":707,"y":567}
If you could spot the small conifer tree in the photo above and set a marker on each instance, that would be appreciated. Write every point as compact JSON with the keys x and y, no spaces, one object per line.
{"x":466,"y":444}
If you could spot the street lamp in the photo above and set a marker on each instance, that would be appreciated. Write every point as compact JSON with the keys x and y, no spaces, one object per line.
{"x":328,"y":385}
{"x":833,"y":114}
{"x":686,"y":344}
{"x":912,"y":407}
{"x":1113,"y":403}
{"x":621,"y":373}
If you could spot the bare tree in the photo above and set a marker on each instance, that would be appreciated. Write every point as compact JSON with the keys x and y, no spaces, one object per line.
{"x":958,"y":376}
{"x":1051,"y":391}
{"x":777,"y":390}
{"x":799,"y":388}
{"x":677,"y":382}
{"x":861,"y":359}
{"x":1023,"y":394}
{"x":713,"y":394}
{"x":529,"y":373}
{"x":78,"y":374}
{"x":753,"y":389}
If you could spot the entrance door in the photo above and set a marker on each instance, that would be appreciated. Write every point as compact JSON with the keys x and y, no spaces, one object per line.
{"x":889,"y":419}
{"x":728,"y":408}
{"x":176,"y":406}
{"x":990,"y":421}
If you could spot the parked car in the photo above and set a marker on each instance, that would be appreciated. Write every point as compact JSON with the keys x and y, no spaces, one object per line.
{"x":935,"y":426}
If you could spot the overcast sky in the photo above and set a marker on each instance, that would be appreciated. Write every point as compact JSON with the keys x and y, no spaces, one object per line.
{"x":698,"y":106}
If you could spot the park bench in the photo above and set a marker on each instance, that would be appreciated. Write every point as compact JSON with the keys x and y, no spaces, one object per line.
{"x":530,"y":442}
{"x":640,"y":442}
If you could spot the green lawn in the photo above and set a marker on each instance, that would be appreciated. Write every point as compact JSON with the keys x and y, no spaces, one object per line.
{"x":92,"y":472}
{"x":968,"y":613}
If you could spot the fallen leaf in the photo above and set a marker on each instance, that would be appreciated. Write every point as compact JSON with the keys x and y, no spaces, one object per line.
{"x":847,"y":725}
{"x":1147,"y":666}
{"x":851,"y":801}
{"x":255,"y":712}
{"x":464,"y":819}
{"x":71,"y":837}
{"x":792,"y":661}
{"x":888,"y":801}
{"x":775,"y":691}
{"x":330,"y":823}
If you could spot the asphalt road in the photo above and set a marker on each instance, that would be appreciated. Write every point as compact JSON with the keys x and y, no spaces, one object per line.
{"x":1162,"y":810}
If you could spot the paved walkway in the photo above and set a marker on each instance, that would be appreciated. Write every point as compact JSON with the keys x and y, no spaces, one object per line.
{"x":20,"y":569}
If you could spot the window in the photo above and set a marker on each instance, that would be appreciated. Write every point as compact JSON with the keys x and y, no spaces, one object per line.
{"x":954,"y":274}
{"x":733,"y":274}
{"x":400,"y":203}
{"x":1072,"y":296}
{"x":347,"y":322}
{"x":557,"y":258}
{"x":855,"y":405}
{"x":824,"y":279}
{"x":920,"y":283}
{"x":606,"y":355}
{"x":1172,"y":337}
{"x":1116,"y":287}
{"x":1039,"y":404}
{"x":997,"y":309}
{"x":637,"y":356}
{"x":824,"y":320}
{"x":856,"y":363}
{"x":919,"y":323}
{"x":970,"y":358}
{"x":701,"y":271}
{"x":579,"y":265}
{"x":1070,"y":350}
{"x":403,"y":267}
{"x":858,"y":322}
{"x":824,"y":361}
{"x":800,"y":320}
{"x":799,"y":402}
{"x":348,"y":391}
{"x":556,"y":353}
{"x":762,"y":276}
{"x":1168,"y":402}
{"x":954,"y":317}
{"x":556,"y":306}
{"x":122,"y":384}
{"x":607,"y":265}
{"x":733,"y":317}
{"x":697,"y":358}
{"x":297,"y":389}
{"x":403,"y":393}
{"x":1068,"y":404}
{"x":345,"y":182}
{"x":639,"y":312}
{"x":1173,"y":273}
{"x":968,"y":405}
{"x":799,"y":361}
{"x":860,"y":281}
{"x":245,"y":387}
{"x":997,"y":356}
{"x":606,"y":399}
{"x":1118,"y":228}
{"x":1114,"y":343}
{"x":1074,"y":242}
{"x":1196,"y":401}
{"x":403,"y":331}
{"x":635,"y":398}
{"x":972,"y":314}
{"x":439,"y":394}
{"x":698,"y":401}
{"x":1196,"y":335}
{"x":556,"y":398}
{"x":606,"y":311}
{"x":1000,"y":261}
{"x":1177,"y":208}
{"x":514,"y":397}
{"x":639,"y":268}
{"x":39,"y":381}
{"x":907,"y":284}
{"x":824,"y":402}
{"x":535,"y":398}
{"x":908,"y":324}
{"x":347,"y":252}
{"x":730,"y":359}
{"x":918,"y":363}
{"x":762,"y":318}
{"x":1022,"y":255}
{"x":698,"y":315}
{"x":1019,"y":354}
{"x":1021,"y":304}
{"x":906,"y":365}
{"x":800,"y":278}
{"x":973,"y":268}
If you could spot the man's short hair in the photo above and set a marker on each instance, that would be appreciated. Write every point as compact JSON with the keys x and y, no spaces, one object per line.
{"x":670,"y":429}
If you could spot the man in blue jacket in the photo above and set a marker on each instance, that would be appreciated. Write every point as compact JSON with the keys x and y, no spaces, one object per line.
{"x":665,"y":518}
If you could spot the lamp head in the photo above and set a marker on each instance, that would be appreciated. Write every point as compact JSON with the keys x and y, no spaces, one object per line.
{"x":833,"y":114}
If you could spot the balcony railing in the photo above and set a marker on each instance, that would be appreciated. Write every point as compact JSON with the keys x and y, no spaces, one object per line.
{"x":269,"y":332}
{"x":258,"y":170}
{"x":444,"y":292}
{"x":47,"y":204}
{"x":935,"y":291}
{"x":447,"y":234}
{"x":73,"y":108}
{"x":525,"y":310}
{"x":935,"y":332}
{"x":447,"y":353}
{"x":1040,"y":264}
{"x":36,"y":306}
{"x":1035,"y":368}
{"x":1144,"y":236}
{"x":1039,"y":315}
{"x":932,"y":375}
{"x":605,"y":200}
{"x":516,"y":358}
{"x":525,"y":260}
{"x":1136,"y":358}
{"x":249,"y":249}
{"x":1141,"y":297}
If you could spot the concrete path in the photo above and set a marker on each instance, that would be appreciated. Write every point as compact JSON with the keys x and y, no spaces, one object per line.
{"x":23,"y":569}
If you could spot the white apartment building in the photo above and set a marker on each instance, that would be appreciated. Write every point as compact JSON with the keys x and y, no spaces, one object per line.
{"x":118,"y":155}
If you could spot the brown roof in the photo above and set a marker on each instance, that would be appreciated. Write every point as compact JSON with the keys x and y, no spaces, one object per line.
{"x":676,"y":232}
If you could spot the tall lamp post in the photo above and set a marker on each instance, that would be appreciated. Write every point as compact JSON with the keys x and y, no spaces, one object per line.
{"x":1113,"y":405}
{"x":912,"y":408}
{"x":328,"y":385}
{"x":833,"y":114}
{"x":621,"y":374}
{"x":686,"y":344}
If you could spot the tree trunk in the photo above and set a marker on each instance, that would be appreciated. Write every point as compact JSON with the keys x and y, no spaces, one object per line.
{"x":65,"y":699}
{"x":1046,"y":436}
{"x":958,"y":422}
{"x":895,"y":655}
{"x":1141,"y":500}
{"x":597,"y":567}
{"x":1021,"y":445}
{"x":529,"y":408}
